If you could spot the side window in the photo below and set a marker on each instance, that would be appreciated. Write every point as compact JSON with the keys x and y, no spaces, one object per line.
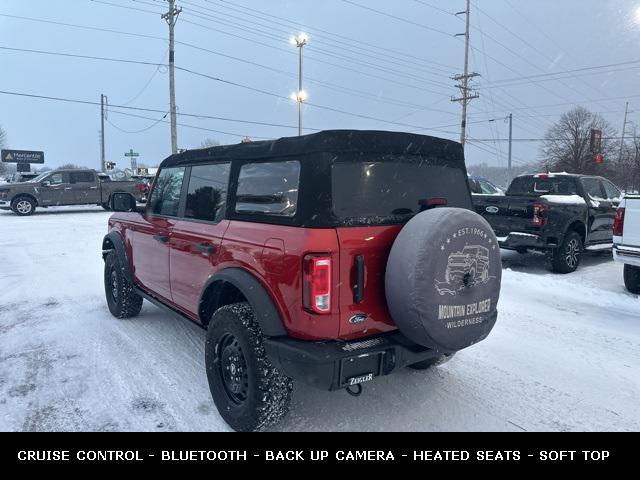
{"x":269,"y":188}
{"x":207,"y":195}
{"x":593,"y":188}
{"x":612,"y":191}
{"x":487,"y":188}
{"x":81,"y":177}
{"x":165,"y":198}
{"x":55,"y":179}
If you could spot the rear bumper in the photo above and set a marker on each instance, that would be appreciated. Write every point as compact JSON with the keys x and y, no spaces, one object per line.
{"x":517,"y":240}
{"x":627,"y":255}
{"x":334,"y":365}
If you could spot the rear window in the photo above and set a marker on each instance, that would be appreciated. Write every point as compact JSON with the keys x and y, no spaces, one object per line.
{"x":269,"y":188}
{"x":384,"y":191}
{"x":543,"y":186}
{"x":81,"y":177}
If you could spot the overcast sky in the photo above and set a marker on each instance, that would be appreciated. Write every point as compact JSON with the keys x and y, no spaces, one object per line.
{"x":389,"y":62}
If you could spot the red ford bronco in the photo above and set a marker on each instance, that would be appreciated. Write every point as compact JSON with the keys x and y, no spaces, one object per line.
{"x":321,"y":259}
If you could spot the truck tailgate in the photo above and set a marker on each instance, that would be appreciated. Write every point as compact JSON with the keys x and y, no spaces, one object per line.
{"x":631,"y":231}
{"x":507,"y":214}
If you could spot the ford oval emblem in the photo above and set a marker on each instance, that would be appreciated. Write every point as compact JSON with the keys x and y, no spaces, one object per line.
{"x":359,"y":318}
{"x":492,"y":209}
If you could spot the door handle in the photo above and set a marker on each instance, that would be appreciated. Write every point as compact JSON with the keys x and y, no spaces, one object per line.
{"x":161,"y":238}
{"x":205,"y":248}
{"x":68,"y":188}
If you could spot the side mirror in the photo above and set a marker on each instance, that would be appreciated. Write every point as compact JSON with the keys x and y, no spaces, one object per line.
{"x":46,"y":183}
{"x":123,"y":202}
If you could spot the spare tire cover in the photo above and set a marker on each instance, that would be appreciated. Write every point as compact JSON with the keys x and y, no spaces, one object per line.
{"x":443,"y":279}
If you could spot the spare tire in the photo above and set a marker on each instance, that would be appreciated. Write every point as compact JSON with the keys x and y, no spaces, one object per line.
{"x":443,"y":279}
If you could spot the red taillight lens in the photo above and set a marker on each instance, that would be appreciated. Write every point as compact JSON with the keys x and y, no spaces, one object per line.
{"x":538,"y":211}
{"x":316,"y":288}
{"x":618,"y":223}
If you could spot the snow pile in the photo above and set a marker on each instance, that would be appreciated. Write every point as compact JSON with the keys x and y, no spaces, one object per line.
{"x":564,"y":199}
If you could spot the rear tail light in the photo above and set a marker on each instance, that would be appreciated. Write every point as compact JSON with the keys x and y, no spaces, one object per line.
{"x":538,"y":214}
{"x":618,"y":223}
{"x":316,"y":288}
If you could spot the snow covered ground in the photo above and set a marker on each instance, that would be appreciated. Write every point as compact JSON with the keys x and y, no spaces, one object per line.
{"x":564,"y":355}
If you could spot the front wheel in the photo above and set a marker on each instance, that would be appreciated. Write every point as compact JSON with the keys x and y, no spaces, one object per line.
{"x":249,"y":392}
{"x":122,"y":299}
{"x":566,"y":258}
{"x":23,"y":206}
{"x":632,"y":278}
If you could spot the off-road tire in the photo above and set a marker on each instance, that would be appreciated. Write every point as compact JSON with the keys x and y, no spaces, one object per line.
{"x":122,"y":299}
{"x":431,"y":362}
{"x":566,"y":258}
{"x":632,"y":278}
{"x":23,"y":206}
{"x":255,"y":394}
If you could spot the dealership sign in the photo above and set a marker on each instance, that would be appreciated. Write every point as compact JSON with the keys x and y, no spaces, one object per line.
{"x":22,"y":156}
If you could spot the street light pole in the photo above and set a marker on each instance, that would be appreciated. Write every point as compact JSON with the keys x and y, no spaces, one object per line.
{"x":300,"y":96}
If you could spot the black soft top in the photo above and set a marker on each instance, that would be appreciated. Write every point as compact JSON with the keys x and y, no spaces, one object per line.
{"x":329,"y":141}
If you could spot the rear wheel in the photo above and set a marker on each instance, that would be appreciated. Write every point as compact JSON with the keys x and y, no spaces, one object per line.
{"x":566,"y":258}
{"x":431,"y":362}
{"x":248,"y":391}
{"x":632,"y":278}
{"x":122,"y":299}
{"x":23,"y":206}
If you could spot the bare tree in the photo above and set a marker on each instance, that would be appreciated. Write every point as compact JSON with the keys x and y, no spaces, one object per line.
{"x":3,"y":144}
{"x":567,"y":144}
{"x":70,"y":166}
{"x":209,"y":142}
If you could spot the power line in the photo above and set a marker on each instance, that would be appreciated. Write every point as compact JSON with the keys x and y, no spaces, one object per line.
{"x":195,"y":127}
{"x":353,"y":42}
{"x":156,"y":122}
{"x":341,"y":47}
{"x":351,"y":60}
{"x":400,"y":19}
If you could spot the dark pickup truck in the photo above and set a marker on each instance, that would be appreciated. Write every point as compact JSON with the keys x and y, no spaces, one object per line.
{"x":63,"y":187}
{"x":559,"y":214}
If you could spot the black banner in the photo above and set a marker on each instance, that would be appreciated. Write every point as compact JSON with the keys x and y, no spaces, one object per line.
{"x":382,"y":450}
{"x":21,"y":156}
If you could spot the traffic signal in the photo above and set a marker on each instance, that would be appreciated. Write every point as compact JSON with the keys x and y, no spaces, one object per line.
{"x":596,"y":140}
{"x":110,"y":165}
{"x":599,"y":159}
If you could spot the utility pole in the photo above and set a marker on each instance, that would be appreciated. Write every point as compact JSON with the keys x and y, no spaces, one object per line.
{"x":624,"y":129}
{"x":467,"y":94}
{"x":300,"y":96}
{"x":172,"y":17}
{"x":510,"y":141}
{"x":102,"y":149}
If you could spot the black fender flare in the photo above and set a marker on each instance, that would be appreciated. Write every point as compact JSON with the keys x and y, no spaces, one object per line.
{"x":29,"y":195}
{"x":265,"y":310}
{"x":568,"y":226}
{"x":113,"y":241}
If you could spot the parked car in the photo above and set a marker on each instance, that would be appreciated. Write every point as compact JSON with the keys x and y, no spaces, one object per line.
{"x":559,"y":214}
{"x":626,"y":241}
{"x":20,"y":177}
{"x":62,"y":187}
{"x":482,"y":186}
{"x":314,"y":258}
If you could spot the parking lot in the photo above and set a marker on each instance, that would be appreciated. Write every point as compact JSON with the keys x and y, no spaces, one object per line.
{"x":564,"y":355}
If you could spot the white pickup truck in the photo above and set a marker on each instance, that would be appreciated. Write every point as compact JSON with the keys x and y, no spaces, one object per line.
{"x":626,"y":240}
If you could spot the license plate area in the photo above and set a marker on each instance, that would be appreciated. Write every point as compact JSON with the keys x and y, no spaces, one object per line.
{"x":360,"y":368}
